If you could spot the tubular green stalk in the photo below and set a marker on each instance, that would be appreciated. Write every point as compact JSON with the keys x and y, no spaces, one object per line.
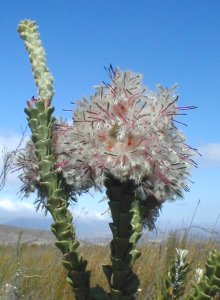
{"x":52,"y":185}
{"x":126,"y":229}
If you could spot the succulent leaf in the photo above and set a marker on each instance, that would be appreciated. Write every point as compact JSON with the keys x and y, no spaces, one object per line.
{"x":208,"y":286}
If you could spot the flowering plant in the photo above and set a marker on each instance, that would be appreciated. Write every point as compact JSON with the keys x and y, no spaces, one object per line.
{"x":127,"y":131}
{"x":124,"y":139}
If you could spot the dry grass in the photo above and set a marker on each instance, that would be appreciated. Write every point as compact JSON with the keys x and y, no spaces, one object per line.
{"x":37,"y":272}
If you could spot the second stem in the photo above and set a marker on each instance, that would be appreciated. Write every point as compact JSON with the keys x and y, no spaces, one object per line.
{"x":126,"y":229}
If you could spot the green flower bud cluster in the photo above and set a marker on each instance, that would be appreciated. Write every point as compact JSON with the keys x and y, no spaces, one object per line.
{"x":43,"y":79}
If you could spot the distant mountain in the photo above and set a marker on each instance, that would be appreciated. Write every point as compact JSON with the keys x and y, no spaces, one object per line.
{"x":31,"y":223}
{"x":10,"y":235}
{"x":37,"y":230}
{"x":85,"y":228}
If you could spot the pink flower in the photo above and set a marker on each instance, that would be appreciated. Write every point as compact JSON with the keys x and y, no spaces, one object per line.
{"x":27,"y":161}
{"x":127,"y":131}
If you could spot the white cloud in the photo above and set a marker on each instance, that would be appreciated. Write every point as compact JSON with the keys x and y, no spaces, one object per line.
{"x":9,"y":206}
{"x":210,"y":154}
{"x":10,"y":142}
{"x":6,"y":205}
{"x":15,"y":209}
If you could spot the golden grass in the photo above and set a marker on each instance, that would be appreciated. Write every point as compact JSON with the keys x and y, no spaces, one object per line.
{"x":37,"y":272}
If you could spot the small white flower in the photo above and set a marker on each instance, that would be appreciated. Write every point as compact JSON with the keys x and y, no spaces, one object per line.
{"x":199,"y":274}
{"x":182,"y":253}
{"x":7,"y":289}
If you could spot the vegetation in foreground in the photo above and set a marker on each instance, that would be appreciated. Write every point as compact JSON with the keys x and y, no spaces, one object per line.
{"x":36,"y":272}
{"x":131,"y":147}
{"x":124,"y":139}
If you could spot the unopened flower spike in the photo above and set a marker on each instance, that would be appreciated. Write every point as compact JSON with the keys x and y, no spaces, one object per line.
{"x":44,"y":81}
{"x":40,"y":166}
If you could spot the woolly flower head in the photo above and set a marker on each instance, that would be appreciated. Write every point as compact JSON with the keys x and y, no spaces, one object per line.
{"x":27,"y":161}
{"x":126,"y":131}
{"x":181,"y":256}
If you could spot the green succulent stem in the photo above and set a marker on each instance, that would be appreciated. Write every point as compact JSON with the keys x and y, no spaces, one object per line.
{"x":52,"y":186}
{"x":126,"y":229}
{"x":208,"y":288}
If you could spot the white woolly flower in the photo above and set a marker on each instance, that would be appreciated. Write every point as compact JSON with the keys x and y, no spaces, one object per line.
{"x":127,"y":131}
{"x":199,"y":274}
{"x":181,"y":254}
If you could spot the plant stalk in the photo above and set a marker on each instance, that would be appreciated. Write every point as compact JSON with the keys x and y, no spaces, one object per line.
{"x":53,"y":187}
{"x":126,"y":229}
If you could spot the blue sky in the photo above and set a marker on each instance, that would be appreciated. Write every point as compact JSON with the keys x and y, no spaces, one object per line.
{"x":168,"y":41}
